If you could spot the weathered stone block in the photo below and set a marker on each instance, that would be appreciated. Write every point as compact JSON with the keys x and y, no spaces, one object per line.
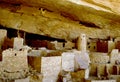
{"x":50,"y":66}
{"x":57,"y":45}
{"x":82,"y":59}
{"x":82,"y":43}
{"x":50,"y":79}
{"x":18,"y":60}
{"x":114,"y":56}
{"x":97,"y":57}
{"x":111,"y":46}
{"x":41,"y":52}
{"x":18,"y":43}
{"x":14,"y":63}
{"x":68,"y":61}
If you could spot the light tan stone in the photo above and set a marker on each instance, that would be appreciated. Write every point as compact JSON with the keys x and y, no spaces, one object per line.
{"x":17,"y":59}
{"x":40,"y":52}
{"x":68,"y":61}
{"x":79,"y":43}
{"x":101,"y":69}
{"x":107,"y":12}
{"x":50,"y":66}
{"x":92,"y":46}
{"x":18,"y":43}
{"x":114,"y":56}
{"x":111,"y":46}
{"x":59,"y":26}
{"x":101,"y":81}
{"x":82,"y":43}
{"x":109,"y":4}
{"x":82,"y":59}
{"x":14,"y":64}
{"x":57,"y":45}
{"x":49,"y":79}
{"x":110,"y":68}
{"x":97,"y":57}
{"x":117,"y":39}
{"x":23,"y":80}
{"x":69,"y":45}
{"x":87,"y":73}
{"x":117,"y":77}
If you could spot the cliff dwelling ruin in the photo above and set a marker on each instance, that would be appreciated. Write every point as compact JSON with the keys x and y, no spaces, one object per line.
{"x":59,"y":41}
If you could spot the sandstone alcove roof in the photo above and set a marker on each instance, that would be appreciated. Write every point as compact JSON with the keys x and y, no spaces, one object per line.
{"x":103,"y":14}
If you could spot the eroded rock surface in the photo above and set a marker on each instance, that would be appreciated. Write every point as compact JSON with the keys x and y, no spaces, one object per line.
{"x":66,"y":19}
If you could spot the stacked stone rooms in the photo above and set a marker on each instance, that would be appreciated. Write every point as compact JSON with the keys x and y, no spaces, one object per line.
{"x":82,"y":60}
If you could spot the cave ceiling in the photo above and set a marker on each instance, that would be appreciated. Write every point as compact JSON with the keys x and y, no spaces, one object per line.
{"x":65,"y":19}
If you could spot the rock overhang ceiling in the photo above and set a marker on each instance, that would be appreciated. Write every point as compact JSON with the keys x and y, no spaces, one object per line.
{"x":101,"y":14}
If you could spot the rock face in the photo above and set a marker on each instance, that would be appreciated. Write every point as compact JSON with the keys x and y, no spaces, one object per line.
{"x":112,"y":5}
{"x":66,"y":19}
